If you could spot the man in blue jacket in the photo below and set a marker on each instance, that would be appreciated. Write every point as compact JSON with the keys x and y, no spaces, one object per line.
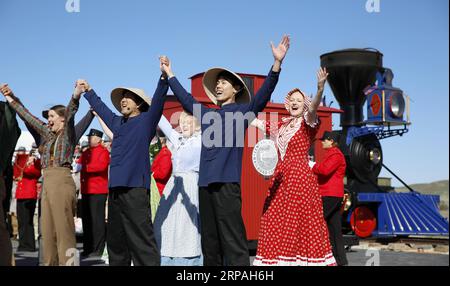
{"x":224,"y":239}
{"x":130,"y":231}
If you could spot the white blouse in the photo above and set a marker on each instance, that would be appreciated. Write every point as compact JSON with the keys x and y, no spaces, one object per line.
{"x":185,"y":151}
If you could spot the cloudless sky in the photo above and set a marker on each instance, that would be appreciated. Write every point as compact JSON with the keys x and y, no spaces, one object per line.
{"x":44,"y":49}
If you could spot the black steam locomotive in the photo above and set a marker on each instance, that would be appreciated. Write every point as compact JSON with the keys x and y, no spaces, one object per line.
{"x":357,"y":76}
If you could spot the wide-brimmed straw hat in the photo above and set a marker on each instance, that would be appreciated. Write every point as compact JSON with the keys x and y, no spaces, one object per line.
{"x":210,"y":81}
{"x":118,"y":93}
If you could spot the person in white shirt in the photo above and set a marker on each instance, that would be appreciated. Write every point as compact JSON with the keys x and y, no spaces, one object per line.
{"x":177,"y":221}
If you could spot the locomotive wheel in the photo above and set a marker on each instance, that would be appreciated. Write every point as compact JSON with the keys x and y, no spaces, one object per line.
{"x":363,"y":221}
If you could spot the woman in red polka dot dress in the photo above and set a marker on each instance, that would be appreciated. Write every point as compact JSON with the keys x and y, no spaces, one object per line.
{"x":293,"y":230}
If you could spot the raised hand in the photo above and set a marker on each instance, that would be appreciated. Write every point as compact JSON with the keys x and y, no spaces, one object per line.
{"x":6,"y":90}
{"x":280,"y":51}
{"x":81,"y":86}
{"x":322,"y":76}
{"x":165,"y":66}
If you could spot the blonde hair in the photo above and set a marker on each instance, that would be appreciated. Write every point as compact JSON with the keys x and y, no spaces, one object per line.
{"x":184,"y":115}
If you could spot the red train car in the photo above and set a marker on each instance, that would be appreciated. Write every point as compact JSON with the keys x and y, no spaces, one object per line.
{"x":254,"y":186}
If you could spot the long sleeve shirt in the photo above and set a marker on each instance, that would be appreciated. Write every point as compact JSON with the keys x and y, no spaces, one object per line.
{"x":80,"y":128}
{"x":58,"y":147}
{"x":185,"y":151}
{"x":223,"y":163}
{"x":94,"y":171}
{"x":130,"y":158}
{"x":162,"y":168}
{"x":330,"y":173}
{"x":27,"y":186}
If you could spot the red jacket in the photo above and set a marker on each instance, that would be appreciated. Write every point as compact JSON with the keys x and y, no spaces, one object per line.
{"x":162,"y":168}
{"x":330,"y":173}
{"x":27,"y":187}
{"x":94,"y":170}
{"x":19,"y":164}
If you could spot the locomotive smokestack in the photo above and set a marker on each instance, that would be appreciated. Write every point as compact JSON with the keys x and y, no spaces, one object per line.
{"x":350,"y":71}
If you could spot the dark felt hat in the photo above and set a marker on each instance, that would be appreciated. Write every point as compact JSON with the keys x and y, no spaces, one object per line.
{"x":331,"y":135}
{"x":95,"y":132}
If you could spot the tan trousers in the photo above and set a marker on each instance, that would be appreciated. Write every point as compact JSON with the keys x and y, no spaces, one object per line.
{"x":15,"y":225}
{"x":58,"y":210}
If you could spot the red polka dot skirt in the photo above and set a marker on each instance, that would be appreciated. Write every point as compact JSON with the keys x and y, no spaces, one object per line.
{"x":293,"y":230}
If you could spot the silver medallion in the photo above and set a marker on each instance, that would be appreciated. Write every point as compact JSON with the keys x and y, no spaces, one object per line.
{"x":265,"y":157}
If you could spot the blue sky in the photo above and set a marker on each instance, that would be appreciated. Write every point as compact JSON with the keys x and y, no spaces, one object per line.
{"x":113,"y":43}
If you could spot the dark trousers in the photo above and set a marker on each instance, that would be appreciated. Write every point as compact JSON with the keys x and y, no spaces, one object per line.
{"x":25,"y":215}
{"x":5,"y":242}
{"x":94,"y":225}
{"x":331,"y":212}
{"x":224,"y":240}
{"x":129,"y":233}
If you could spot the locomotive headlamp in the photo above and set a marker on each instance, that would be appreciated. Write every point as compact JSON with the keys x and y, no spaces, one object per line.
{"x":375,"y":156}
{"x":386,"y":105}
{"x":397,"y":105}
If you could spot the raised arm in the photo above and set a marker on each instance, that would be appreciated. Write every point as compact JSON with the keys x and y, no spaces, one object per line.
{"x":34,"y":133}
{"x":321,"y":79}
{"x":105,"y":128}
{"x":279,"y":52}
{"x":83,"y":125}
{"x":258,"y":123}
{"x":262,"y":97}
{"x":270,"y":128}
{"x":187,"y":100}
{"x":172,"y":135}
{"x":13,"y":101}
{"x":98,"y":105}
{"x":73,"y":106}
{"x":36,"y":136}
{"x":156,"y":109}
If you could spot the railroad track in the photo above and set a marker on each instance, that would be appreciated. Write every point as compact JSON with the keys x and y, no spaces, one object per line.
{"x":409,"y":240}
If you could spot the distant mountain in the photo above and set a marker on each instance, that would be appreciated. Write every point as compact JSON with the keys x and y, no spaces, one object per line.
{"x":435,"y":188}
